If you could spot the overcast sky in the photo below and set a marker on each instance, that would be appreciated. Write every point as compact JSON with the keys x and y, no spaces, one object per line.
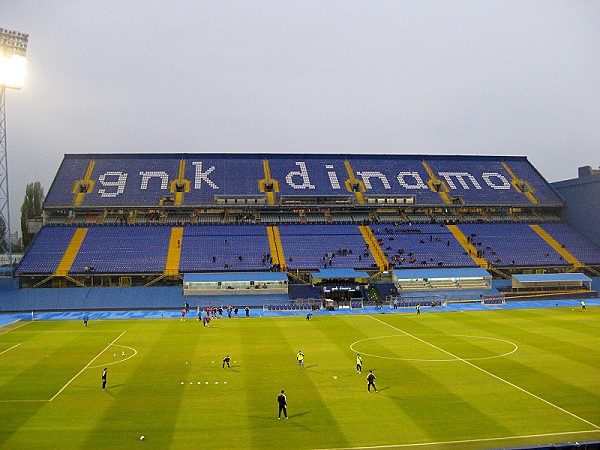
{"x":393,"y":77}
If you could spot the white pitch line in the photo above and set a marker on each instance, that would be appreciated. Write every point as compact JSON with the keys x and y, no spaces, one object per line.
{"x":464,"y":441}
{"x":489,"y":373}
{"x":7,"y":331}
{"x":87,"y":365}
{"x":84,"y":330}
{"x":10,"y":348}
{"x":119,"y":361}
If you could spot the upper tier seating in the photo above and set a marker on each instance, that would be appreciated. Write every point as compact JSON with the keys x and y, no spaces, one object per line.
{"x":61,"y":190}
{"x":475,"y":190}
{"x":146,"y":180}
{"x":543,"y":192}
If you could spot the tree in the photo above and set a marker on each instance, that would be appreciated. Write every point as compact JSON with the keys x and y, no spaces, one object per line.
{"x":31,"y":209}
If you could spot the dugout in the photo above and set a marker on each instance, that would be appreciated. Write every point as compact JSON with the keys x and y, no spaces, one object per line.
{"x":551,"y":282}
{"x":236,"y":283}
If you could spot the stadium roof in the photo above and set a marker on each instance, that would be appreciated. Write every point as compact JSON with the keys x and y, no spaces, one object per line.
{"x":225,"y":156}
{"x":553,"y":277}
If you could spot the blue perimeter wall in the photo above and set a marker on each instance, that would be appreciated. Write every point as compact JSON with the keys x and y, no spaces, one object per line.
{"x":139,"y":298}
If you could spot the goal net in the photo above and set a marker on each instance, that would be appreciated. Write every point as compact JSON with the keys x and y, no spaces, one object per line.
{"x":493,"y":299}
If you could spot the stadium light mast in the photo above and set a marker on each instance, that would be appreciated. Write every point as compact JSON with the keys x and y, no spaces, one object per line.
{"x":13,"y":48}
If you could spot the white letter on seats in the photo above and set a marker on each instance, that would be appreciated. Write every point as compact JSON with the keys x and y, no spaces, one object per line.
{"x":164,"y":179}
{"x":460,"y":176}
{"x":486,"y":177}
{"x":416,"y":176}
{"x":333,"y":179}
{"x":303,"y":173}
{"x":119,"y":183}
{"x":366,"y":176}
{"x":203,"y":176}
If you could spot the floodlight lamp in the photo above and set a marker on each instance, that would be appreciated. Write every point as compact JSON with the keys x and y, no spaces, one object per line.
{"x":12,"y":71}
{"x":13,"y":48}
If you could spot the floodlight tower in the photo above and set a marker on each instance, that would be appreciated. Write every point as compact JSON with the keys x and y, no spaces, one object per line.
{"x":13,"y":48}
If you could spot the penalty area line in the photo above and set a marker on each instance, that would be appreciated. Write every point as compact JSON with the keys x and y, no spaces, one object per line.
{"x":14,"y":328}
{"x":16,"y":345}
{"x":475,"y":366}
{"x":86,"y":366}
{"x":464,"y":441}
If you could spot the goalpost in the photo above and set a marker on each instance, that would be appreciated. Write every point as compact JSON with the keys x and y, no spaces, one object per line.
{"x":493,"y":299}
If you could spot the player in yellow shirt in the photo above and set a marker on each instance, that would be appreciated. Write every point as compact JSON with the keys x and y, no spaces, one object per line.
{"x":300,"y":358}
{"x":358,"y":363}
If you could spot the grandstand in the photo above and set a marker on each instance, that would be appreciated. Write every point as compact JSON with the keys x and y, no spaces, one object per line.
{"x":148,"y":220}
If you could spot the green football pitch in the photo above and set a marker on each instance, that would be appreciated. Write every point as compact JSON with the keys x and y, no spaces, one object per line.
{"x":458,"y":380}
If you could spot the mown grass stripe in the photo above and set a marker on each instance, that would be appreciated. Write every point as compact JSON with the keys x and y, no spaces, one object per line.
{"x":494,"y":376}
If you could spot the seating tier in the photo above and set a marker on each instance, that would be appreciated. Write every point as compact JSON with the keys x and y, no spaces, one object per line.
{"x":310,"y":247}
{"x":412,"y":245}
{"x":574,"y":242}
{"x":511,"y":244}
{"x":146,"y":180}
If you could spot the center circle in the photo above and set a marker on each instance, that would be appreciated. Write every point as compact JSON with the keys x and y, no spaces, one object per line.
{"x":378,"y":346}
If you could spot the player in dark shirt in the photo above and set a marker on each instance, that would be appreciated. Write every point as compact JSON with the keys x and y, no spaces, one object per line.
{"x":371,"y":379}
{"x":104,"y":377}
{"x":282,"y":400}
{"x":226,"y":361}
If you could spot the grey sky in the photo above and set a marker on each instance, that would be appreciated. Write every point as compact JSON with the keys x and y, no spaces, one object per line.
{"x":438,"y":77}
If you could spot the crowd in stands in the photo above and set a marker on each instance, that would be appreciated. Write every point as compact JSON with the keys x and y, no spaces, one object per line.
{"x":406,"y":245}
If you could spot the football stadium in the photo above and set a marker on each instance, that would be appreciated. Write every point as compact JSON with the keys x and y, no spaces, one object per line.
{"x":457,"y":280}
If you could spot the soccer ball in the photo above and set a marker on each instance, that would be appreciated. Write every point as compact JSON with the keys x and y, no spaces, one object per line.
{"x":142,"y":438}
{"x":334,"y":377}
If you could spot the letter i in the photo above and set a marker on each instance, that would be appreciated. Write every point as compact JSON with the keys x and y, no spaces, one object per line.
{"x":333,"y":179}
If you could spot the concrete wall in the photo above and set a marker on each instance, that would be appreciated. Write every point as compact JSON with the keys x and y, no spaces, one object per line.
{"x":582,"y":204}
{"x":82,"y":299}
